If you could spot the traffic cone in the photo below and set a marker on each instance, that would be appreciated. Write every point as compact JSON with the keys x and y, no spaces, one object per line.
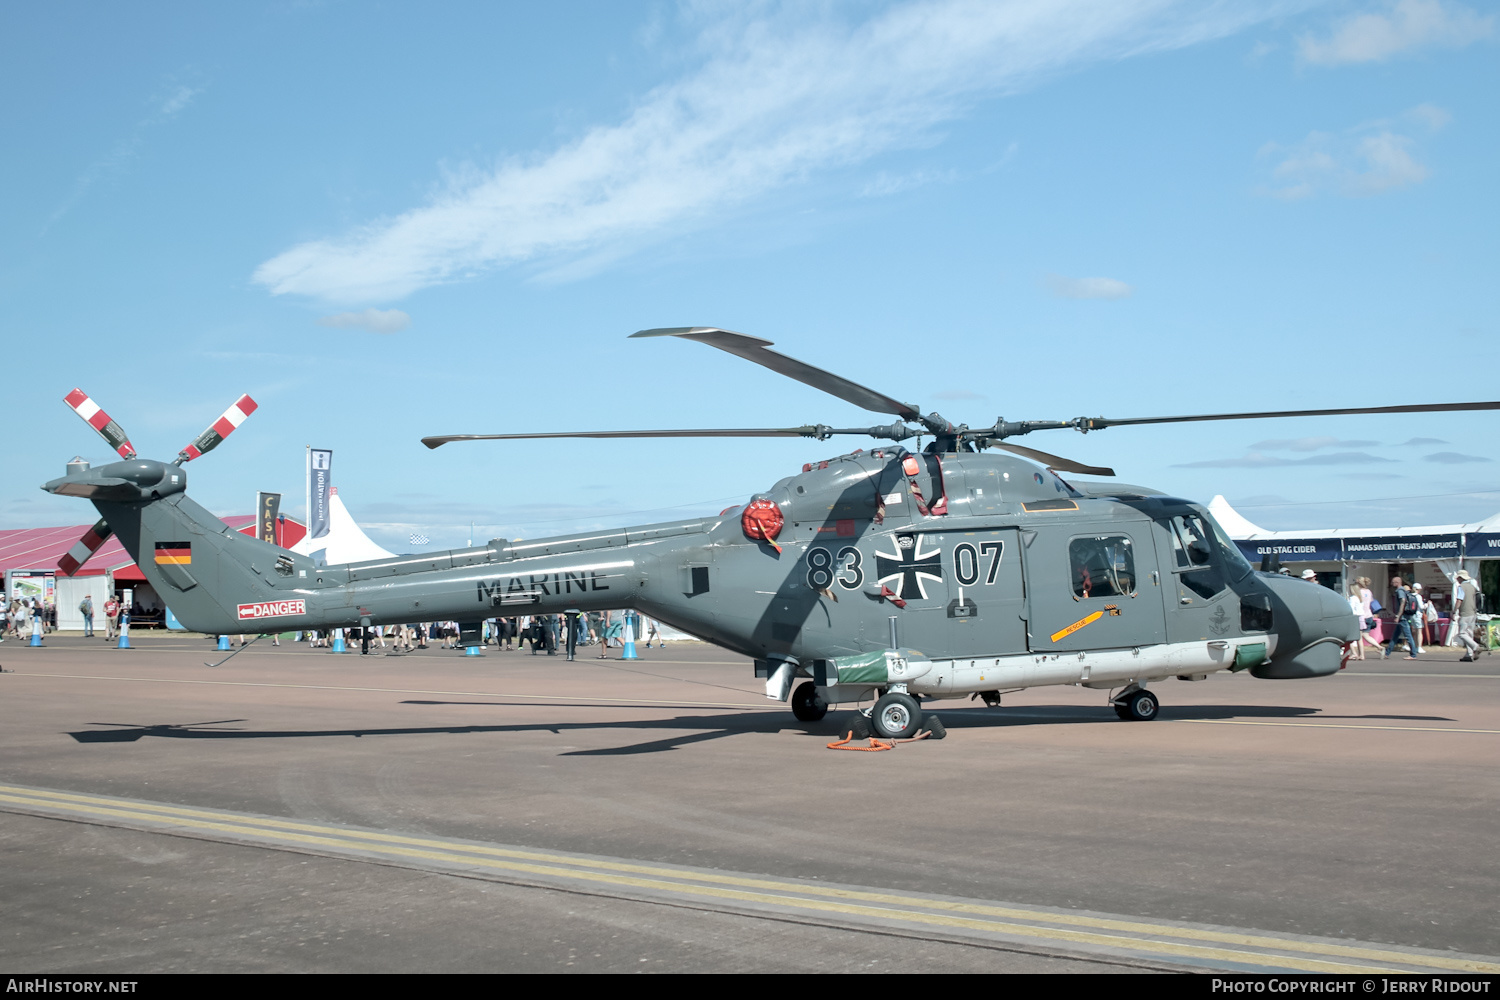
{"x":223,"y":643}
{"x":629,"y":652}
{"x":124,"y":642}
{"x":338,"y":641}
{"x":36,"y":631}
{"x":473,"y":651}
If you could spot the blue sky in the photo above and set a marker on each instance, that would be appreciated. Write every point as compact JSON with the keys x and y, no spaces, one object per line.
{"x":391,"y":220}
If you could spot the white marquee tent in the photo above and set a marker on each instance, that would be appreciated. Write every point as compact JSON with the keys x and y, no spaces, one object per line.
{"x":345,"y":541}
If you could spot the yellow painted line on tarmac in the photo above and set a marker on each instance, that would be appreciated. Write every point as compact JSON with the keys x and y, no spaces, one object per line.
{"x":642,"y":702}
{"x":708,"y":891}
{"x":789,"y":894}
{"x":1333,"y":725}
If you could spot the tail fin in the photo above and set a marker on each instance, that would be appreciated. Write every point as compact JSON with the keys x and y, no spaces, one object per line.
{"x":215,"y":579}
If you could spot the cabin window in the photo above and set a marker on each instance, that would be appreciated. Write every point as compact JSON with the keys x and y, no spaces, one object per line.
{"x":1103,"y":566}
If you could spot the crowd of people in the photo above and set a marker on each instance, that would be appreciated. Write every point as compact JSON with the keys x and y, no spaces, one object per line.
{"x":1414,"y":620}
{"x":545,"y":633}
{"x":20,"y":613}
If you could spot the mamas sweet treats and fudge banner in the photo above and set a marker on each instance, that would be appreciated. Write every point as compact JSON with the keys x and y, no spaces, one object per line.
{"x":1400,"y":548}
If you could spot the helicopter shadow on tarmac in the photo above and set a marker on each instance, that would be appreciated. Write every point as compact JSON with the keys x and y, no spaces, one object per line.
{"x":689,"y":729}
{"x":707,"y":727}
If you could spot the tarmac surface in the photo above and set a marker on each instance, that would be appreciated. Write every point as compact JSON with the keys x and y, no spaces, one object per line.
{"x":297,"y":810}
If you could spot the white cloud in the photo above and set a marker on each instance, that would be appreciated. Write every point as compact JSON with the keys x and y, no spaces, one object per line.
{"x":1389,"y":164}
{"x":1259,"y":51}
{"x":178,"y":99}
{"x":1005,"y":157}
{"x":1256,"y":460}
{"x":883,"y":183}
{"x":1407,"y":24}
{"x":775,"y":98}
{"x":1087,"y":288}
{"x":1430,"y":115}
{"x":1453,"y":458}
{"x":1368,"y":159}
{"x":123,"y":153}
{"x":373,"y":320}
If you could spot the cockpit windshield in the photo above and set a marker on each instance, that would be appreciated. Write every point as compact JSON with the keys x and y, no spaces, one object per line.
{"x":1235,"y":563}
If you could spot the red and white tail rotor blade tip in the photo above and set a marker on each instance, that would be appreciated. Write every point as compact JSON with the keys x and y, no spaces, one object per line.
{"x":91,"y":542}
{"x":219,"y":429}
{"x":100,"y":421}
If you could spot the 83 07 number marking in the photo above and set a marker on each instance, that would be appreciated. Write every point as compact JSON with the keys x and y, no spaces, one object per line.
{"x":847,"y":566}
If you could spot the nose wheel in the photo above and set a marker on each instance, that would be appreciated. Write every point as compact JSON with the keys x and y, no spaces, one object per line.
{"x":1139,"y":705}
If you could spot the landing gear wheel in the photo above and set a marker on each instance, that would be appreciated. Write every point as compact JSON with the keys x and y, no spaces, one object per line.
{"x":1138,"y":706}
{"x":896,"y":717}
{"x":806,"y":705}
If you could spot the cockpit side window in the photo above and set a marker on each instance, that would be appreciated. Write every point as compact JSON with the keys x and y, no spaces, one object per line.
{"x":1193,"y":547}
{"x":1102,"y":566}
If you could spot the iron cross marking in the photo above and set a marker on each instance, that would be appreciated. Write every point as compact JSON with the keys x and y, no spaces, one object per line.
{"x":909,"y":565}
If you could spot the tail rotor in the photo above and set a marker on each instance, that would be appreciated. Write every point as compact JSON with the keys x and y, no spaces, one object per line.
{"x":114,"y":435}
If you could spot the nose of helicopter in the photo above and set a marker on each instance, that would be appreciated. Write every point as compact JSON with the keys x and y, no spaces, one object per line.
{"x":1312,"y":626}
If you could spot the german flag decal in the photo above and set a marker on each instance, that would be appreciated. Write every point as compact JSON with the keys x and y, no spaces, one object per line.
{"x":174,"y":553}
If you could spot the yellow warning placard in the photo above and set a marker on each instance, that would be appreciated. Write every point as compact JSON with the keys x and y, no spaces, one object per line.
{"x":1080,"y":623}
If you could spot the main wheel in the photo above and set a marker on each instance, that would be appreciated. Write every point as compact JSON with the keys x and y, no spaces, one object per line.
{"x":896,"y":717}
{"x":806,"y":705}
{"x":1141,"y":706}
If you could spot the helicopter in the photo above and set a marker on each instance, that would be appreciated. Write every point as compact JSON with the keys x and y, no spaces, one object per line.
{"x":970,"y":568}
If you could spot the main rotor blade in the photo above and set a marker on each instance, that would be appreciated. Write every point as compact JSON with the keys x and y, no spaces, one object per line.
{"x":1099,"y":423}
{"x":1054,"y":461}
{"x":86,"y":546}
{"x":755,"y":349}
{"x":219,"y":429}
{"x":101,"y":422}
{"x":808,"y":430}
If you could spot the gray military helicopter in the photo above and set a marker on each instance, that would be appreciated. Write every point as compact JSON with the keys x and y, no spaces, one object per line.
{"x":885,"y":576}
